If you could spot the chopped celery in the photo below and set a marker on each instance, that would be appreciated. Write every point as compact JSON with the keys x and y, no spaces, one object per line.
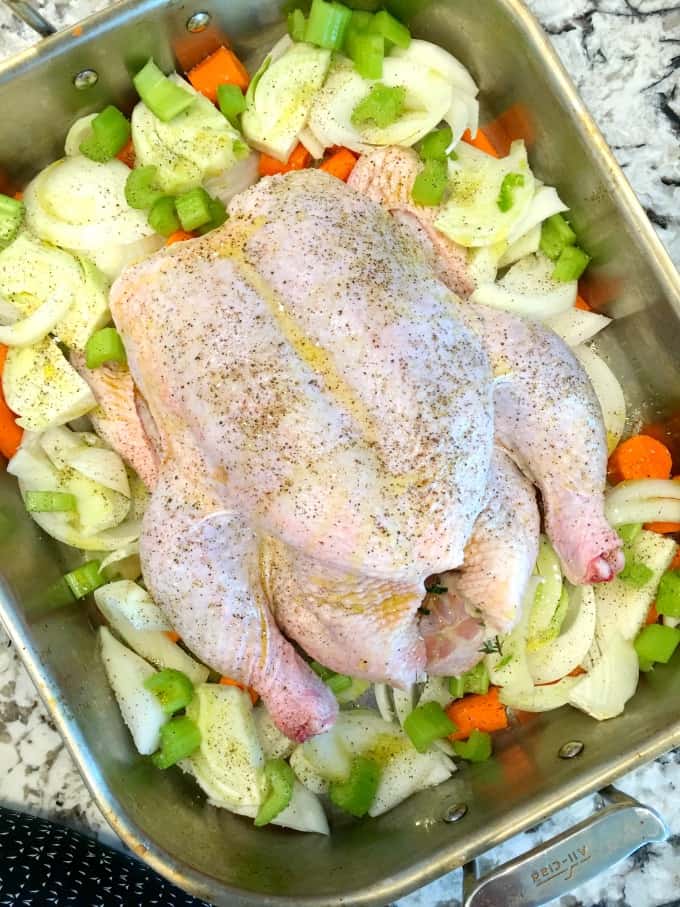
{"x":555,"y":235}
{"x":163,"y":216}
{"x":280,"y":781}
{"x":360,"y":21}
{"x":327,"y":24}
{"x":391,"y":29}
{"x":476,"y":680}
{"x":477,"y":748}
{"x":435,"y":143}
{"x":656,"y":642}
{"x":110,"y":132}
{"x":323,"y":672}
{"x":343,"y":686}
{"x":428,"y":723}
{"x":172,"y":688}
{"x":457,"y":686}
{"x":571,"y":264}
{"x":85,"y":579}
{"x":366,"y":49}
{"x":105,"y":345}
{"x":645,"y":665}
{"x":11,"y":217}
{"x":49,"y":501}
{"x":357,"y":689}
{"x":232,"y":101}
{"x":511,"y":181}
{"x":59,"y":594}
{"x":383,"y":105}
{"x":141,"y":188}
{"x":297,"y":26}
{"x":193,"y":208}
{"x":668,"y":594}
{"x":430,"y":184}
{"x":163,"y":97}
{"x":179,"y":738}
{"x":337,"y":683}
{"x":636,"y":574}
{"x":218,"y":215}
{"x":628,"y":532}
{"x":357,"y":793}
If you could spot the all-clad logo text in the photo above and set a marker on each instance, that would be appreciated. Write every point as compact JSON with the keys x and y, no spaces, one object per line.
{"x":567,"y":867}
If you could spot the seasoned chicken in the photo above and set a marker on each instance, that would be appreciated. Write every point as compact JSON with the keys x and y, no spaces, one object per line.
{"x":325,"y":425}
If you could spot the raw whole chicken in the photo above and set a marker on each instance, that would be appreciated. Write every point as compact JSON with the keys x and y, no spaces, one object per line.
{"x":325,"y":426}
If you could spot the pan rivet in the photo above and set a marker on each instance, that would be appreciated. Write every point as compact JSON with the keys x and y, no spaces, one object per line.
{"x":455,"y":813}
{"x":86,"y":78}
{"x":198,"y":22}
{"x":570,"y":749}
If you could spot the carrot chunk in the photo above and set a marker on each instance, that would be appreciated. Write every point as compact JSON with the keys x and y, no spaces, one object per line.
{"x":582,"y":304}
{"x":10,"y":433}
{"x":640,"y":457}
{"x":179,"y":236}
{"x":483,"y":712}
{"x":229,"y":682}
{"x":480,"y":141}
{"x":221,"y":66}
{"x":298,"y":160}
{"x":340,"y":164}
{"x":127,"y":154}
{"x":652,"y":615}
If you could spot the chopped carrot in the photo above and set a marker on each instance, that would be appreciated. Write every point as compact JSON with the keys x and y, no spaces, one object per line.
{"x":228,"y":682}
{"x":480,"y":141}
{"x":599,"y":290}
{"x":652,"y":615}
{"x":19,"y":195}
{"x":640,"y":457}
{"x":675,"y":563}
{"x":127,"y":154}
{"x":172,"y":635}
{"x":483,"y":712}
{"x":77,"y":31}
{"x":663,"y":528}
{"x":340,"y":164}
{"x":517,"y":122}
{"x":298,"y":160}
{"x":221,"y":66}
{"x":179,"y":236}
{"x":582,"y":304}
{"x":10,"y":433}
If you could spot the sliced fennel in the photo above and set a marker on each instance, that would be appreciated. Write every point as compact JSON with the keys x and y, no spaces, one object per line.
{"x":608,"y":391}
{"x":483,"y":264}
{"x":280,"y":97}
{"x":80,"y":205}
{"x":544,"y":204}
{"x":126,"y":561}
{"x":622,"y":607}
{"x":133,"y":603}
{"x":36,"y":326}
{"x":576,"y":326}
{"x":428,"y":98}
{"x":236,"y":179}
{"x":274,"y":743}
{"x":611,"y":681}
{"x":525,"y":245}
{"x":42,"y":388}
{"x":643,"y":501}
{"x":196,"y":145}
{"x":103,"y":466}
{"x":569,"y":647}
{"x":80,"y":130}
{"x":140,"y":709}
{"x":472,"y":217}
{"x":546,"y":613}
{"x":527,"y":288}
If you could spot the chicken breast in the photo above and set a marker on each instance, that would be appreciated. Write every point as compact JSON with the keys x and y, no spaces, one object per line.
{"x":316,"y":392}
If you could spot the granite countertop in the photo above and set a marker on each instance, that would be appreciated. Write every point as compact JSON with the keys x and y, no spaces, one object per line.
{"x":624,"y":56}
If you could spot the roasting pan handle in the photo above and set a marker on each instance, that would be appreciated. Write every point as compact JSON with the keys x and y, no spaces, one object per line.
{"x":31,"y":17}
{"x":557,"y":866}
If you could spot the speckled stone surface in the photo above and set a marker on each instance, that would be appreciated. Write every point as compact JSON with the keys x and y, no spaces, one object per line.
{"x":624,"y":56}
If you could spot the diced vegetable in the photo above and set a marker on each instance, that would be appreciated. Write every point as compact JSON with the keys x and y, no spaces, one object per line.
{"x":126,"y":155}
{"x":367,"y":51}
{"x":356,"y":689}
{"x":49,"y":501}
{"x":571,"y":264}
{"x":430,"y":184}
{"x":193,"y":208}
{"x":298,"y":160}
{"x":85,"y":579}
{"x":11,"y":217}
{"x":172,"y":688}
{"x":141,"y":187}
{"x":105,"y":345}
{"x":140,"y":709}
{"x":357,"y":793}
{"x":327,"y":24}
{"x":657,"y":642}
{"x":231,"y":101}
{"x":280,"y":781}
{"x":179,"y":236}
{"x":383,"y":105}
{"x":391,"y":29}
{"x":476,"y":680}
{"x":556,"y":234}
{"x":668,"y":594}
{"x":179,"y":738}
{"x":639,"y":457}
{"x":576,"y":326}
{"x":36,"y":326}
{"x":220,"y":68}
{"x":274,"y":743}
{"x":483,"y":713}
{"x":297,"y":25}
{"x":163,"y":216}
{"x":230,"y":682}
{"x":428,"y":723}
{"x":506,"y":194}
{"x":164,"y":98}
{"x":635,"y":574}
{"x":477,"y":748}
{"x":340,"y":164}
{"x":110,"y":131}
{"x":435,"y":145}
{"x":480,"y":141}
{"x":218,"y":215}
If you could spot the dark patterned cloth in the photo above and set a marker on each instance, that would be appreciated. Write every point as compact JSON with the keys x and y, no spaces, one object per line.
{"x":42,"y":863}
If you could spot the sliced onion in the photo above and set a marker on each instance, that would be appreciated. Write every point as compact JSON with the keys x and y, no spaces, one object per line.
{"x":528,"y":289}
{"x":120,"y":554}
{"x":612,"y":680}
{"x":8,"y":313}
{"x":539,"y":699}
{"x":133,"y":603}
{"x":37,"y":326}
{"x":383,"y":701}
{"x":79,"y":131}
{"x":235,"y":179}
{"x":525,"y":245}
{"x":309,"y":141}
{"x":560,"y":656}
{"x":404,"y":703}
{"x":545,"y":203}
{"x":102,"y":466}
{"x":608,"y":391}
{"x":575,"y":326}
{"x":644,"y":501}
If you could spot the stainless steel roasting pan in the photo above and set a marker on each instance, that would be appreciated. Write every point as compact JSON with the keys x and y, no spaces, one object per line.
{"x":162,"y":817}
